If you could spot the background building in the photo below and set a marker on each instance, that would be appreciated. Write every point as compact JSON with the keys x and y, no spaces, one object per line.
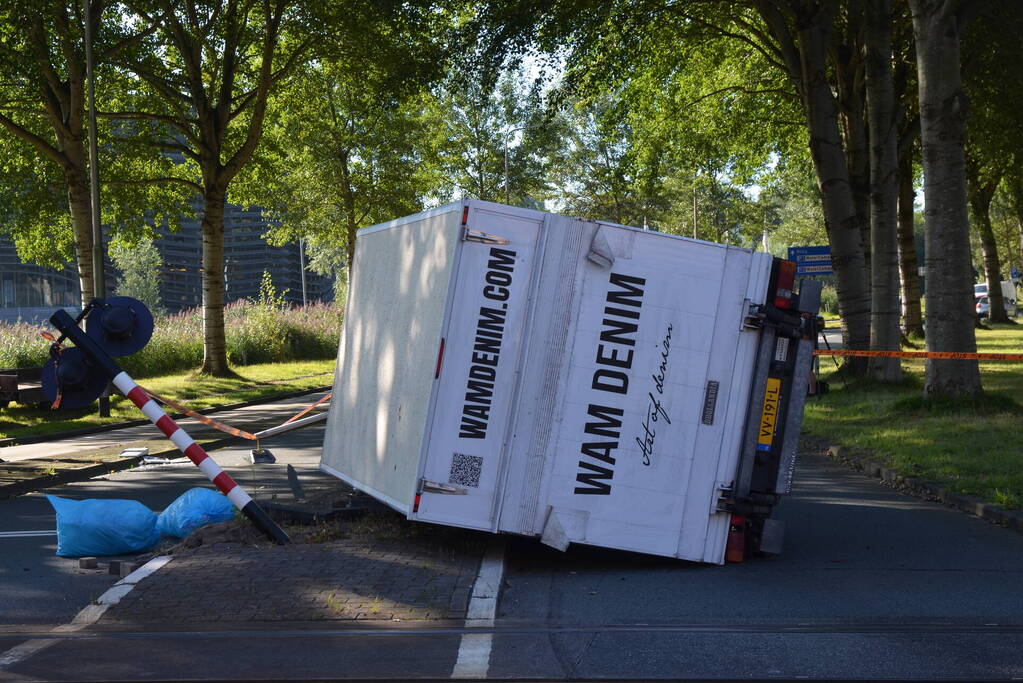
{"x":29,"y":292}
{"x":246,"y":257}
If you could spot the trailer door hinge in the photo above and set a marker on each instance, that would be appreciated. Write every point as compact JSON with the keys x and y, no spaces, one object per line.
{"x":754,"y":317}
{"x":724,"y":498}
{"x":436,"y":487}
{"x":482,"y":237}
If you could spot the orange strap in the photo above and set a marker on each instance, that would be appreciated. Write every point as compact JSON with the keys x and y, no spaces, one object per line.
{"x":292,"y":419}
{"x":920,"y":354}
{"x":234,"y":431}
{"x":202,"y":418}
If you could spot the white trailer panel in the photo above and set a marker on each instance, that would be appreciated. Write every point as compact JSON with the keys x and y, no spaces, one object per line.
{"x":509,"y":370}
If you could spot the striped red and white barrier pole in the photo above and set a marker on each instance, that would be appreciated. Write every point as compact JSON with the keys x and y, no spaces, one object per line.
{"x":166,"y":424}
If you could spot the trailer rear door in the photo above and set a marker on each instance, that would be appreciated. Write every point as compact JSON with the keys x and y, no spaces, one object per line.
{"x":478,"y":369}
{"x":659,"y":365}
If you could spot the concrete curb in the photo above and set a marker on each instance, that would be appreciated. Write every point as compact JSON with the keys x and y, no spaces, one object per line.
{"x":22,"y":440}
{"x":1011,"y":519}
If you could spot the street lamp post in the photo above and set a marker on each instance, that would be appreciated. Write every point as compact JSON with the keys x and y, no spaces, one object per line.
{"x":301,"y":269}
{"x":98,"y":276}
{"x":99,"y":281}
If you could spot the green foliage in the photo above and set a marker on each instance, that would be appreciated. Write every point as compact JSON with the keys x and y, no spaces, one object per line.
{"x":349,"y":141}
{"x":33,"y":205}
{"x":603,"y":175}
{"x":829,"y":300}
{"x":795,"y":212}
{"x":42,"y":115}
{"x":497,"y":142}
{"x":140,"y":266}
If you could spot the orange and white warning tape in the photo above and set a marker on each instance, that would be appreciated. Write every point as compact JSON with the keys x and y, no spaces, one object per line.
{"x":234,"y":431}
{"x":949,"y":355}
{"x":326,"y":397}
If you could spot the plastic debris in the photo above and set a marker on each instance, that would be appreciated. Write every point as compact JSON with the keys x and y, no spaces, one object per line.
{"x":103,"y":527}
{"x":193,"y":509}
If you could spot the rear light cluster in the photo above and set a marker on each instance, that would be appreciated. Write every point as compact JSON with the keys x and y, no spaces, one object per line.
{"x":784,"y":282}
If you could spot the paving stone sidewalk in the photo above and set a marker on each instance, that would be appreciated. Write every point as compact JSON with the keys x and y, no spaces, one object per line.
{"x":339,"y":580}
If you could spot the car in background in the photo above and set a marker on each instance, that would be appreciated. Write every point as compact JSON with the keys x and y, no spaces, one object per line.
{"x":983,"y":307}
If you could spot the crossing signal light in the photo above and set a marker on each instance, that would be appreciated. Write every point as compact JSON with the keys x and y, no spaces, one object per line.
{"x":71,"y":381}
{"x":120,"y":325}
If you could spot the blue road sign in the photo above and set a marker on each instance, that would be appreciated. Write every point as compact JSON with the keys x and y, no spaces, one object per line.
{"x":811,"y":260}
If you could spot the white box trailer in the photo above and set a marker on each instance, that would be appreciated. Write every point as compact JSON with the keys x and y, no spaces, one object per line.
{"x":517,"y":371}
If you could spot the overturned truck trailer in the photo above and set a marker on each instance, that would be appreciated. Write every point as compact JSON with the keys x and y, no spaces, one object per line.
{"x":516,"y":371}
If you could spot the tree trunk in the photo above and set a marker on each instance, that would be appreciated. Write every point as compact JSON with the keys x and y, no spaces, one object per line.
{"x":214,"y":360}
{"x":348,"y":198}
{"x":992,"y":268}
{"x":884,"y":189}
{"x":80,"y":206}
{"x":981,"y":191}
{"x":1015,"y":186}
{"x":844,"y":229}
{"x":857,"y":154}
{"x":943,"y":111}
{"x":852,"y":123}
{"x":909,"y":269}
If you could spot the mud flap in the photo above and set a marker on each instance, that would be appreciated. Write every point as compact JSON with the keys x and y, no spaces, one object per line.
{"x":563,"y":525}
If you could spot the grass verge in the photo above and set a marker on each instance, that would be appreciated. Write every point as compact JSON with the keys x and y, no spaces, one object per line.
{"x":199,"y":392}
{"x":967,"y":446}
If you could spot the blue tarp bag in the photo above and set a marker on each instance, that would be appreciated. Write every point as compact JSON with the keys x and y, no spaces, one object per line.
{"x":103,"y":527}
{"x":193,"y":509}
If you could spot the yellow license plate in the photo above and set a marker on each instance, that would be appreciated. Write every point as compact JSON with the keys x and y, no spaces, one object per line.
{"x":769,"y":414}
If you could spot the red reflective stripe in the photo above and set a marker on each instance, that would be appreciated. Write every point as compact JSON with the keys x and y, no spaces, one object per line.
{"x":138,"y":396}
{"x":465,"y":216}
{"x":440,"y":358}
{"x":196,"y":453}
{"x":735,"y":549}
{"x":415,"y":507}
{"x":224,"y":482}
{"x":166,"y":425}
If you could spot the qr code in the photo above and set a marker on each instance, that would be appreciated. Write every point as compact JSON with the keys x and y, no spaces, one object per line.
{"x":465,"y":470}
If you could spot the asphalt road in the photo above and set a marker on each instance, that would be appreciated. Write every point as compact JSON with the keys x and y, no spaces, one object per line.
{"x":872,"y":584}
{"x":38,"y":589}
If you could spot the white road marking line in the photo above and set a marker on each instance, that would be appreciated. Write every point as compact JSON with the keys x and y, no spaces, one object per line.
{"x":474,"y":650}
{"x":22,"y":652}
{"x":146,"y":569}
{"x":26,"y":534}
{"x":87,"y":617}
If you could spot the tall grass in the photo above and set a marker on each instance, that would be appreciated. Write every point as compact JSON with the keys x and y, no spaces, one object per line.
{"x":257,"y":332}
{"x":21,"y":346}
